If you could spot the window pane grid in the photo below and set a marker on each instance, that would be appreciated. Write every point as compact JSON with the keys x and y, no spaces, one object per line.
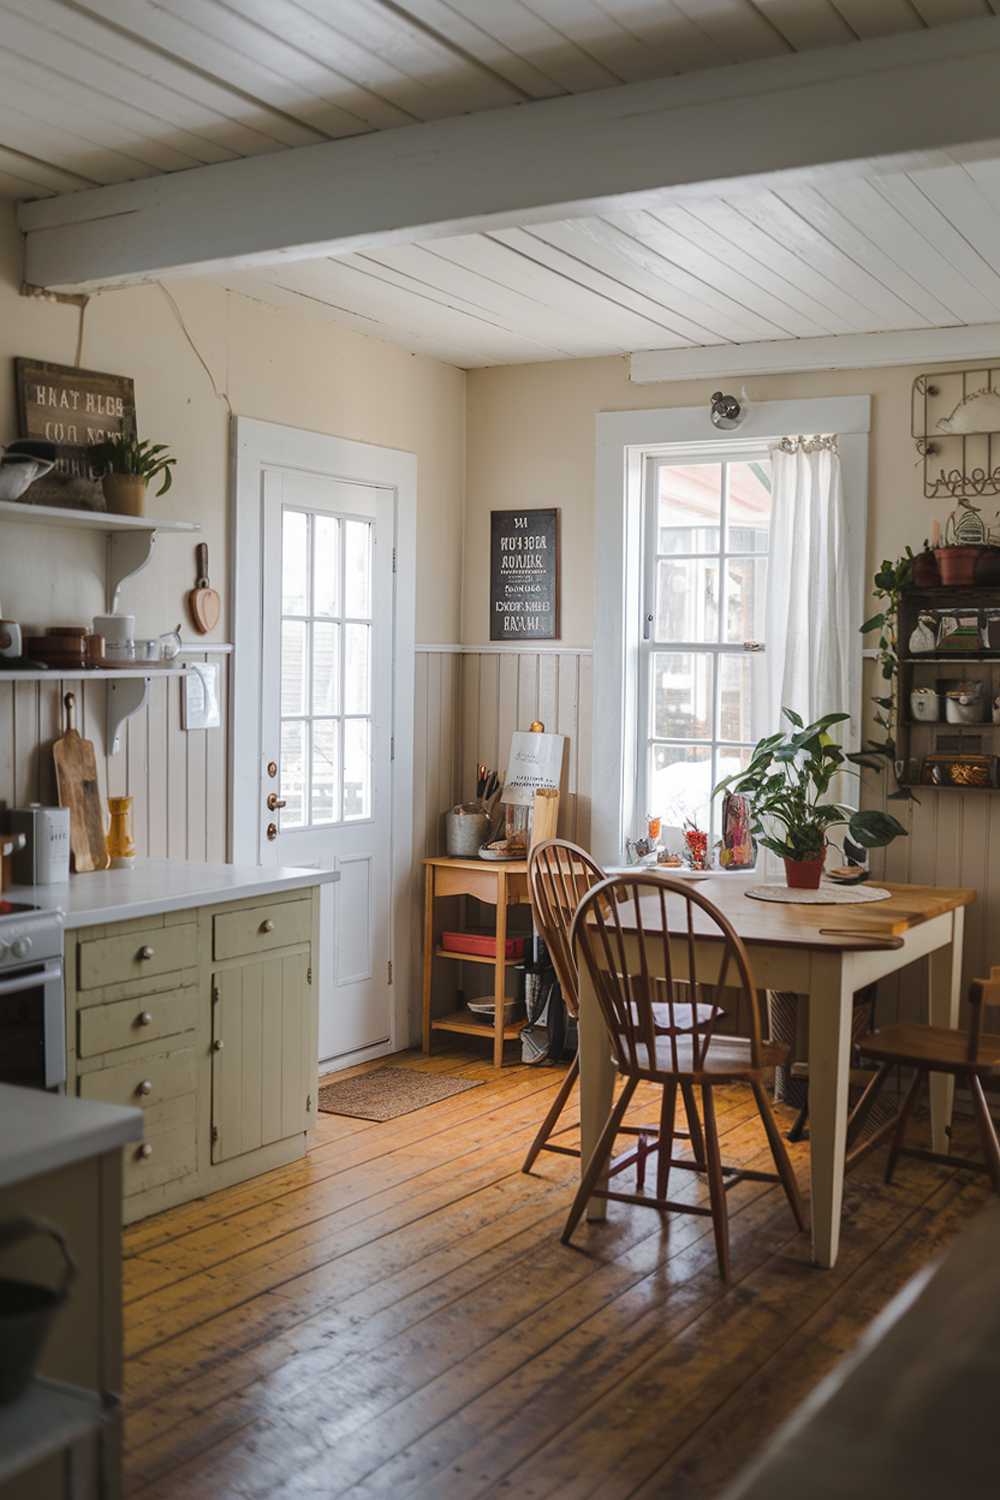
{"x":709,"y":541}
{"x":325,"y":688}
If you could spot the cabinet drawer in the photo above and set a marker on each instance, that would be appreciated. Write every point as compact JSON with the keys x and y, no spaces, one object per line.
{"x":140,"y":955}
{"x":142,"y":1081}
{"x":105,"y":1028}
{"x":162,"y":1156}
{"x":259,"y":928}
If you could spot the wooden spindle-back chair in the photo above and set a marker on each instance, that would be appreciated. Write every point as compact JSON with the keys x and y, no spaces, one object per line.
{"x":662,"y":1016}
{"x":970,"y":1056}
{"x":559,"y":875}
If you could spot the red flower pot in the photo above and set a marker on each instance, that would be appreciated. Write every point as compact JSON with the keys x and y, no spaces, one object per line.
{"x":958,"y":564}
{"x":804,"y":874}
{"x":925,"y":571}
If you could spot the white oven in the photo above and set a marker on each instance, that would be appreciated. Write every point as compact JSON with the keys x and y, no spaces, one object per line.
{"x":32,"y":1003}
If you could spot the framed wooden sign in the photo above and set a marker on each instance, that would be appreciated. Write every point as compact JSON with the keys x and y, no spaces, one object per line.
{"x":74,"y":409}
{"x":524,"y":575}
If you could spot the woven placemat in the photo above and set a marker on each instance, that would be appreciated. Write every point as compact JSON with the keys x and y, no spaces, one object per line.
{"x":388,"y":1092}
{"x":827,"y":895}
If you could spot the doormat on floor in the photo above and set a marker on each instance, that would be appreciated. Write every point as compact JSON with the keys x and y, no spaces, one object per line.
{"x":388,"y":1092}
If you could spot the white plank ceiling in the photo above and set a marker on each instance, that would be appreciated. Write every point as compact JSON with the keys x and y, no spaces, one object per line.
{"x":105,"y":91}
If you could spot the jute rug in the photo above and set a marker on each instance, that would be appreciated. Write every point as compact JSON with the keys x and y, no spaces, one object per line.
{"x":388,"y":1092}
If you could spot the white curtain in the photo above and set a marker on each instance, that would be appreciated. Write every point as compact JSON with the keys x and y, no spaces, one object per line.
{"x":808,"y":616}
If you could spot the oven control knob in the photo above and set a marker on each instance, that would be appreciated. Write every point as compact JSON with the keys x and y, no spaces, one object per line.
{"x":20,"y":947}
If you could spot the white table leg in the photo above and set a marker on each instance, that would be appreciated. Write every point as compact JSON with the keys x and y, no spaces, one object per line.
{"x":831,"y":1005}
{"x":944,"y":982}
{"x":597,"y":1078}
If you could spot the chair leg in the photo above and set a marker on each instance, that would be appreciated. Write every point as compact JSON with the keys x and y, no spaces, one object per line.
{"x":716,"y":1186}
{"x":778,"y":1152}
{"x":668,"y":1107}
{"x":549,"y":1123}
{"x":599,"y":1159}
{"x":859,"y":1114}
{"x":987,"y":1129}
{"x":797,"y":1130}
{"x":899,"y":1134}
{"x":693,"y":1123}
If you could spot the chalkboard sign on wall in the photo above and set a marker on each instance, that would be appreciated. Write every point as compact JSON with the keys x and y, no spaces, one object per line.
{"x":524,"y":575}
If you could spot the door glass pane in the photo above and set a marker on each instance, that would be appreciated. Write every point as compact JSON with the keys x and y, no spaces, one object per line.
{"x":357,"y":769}
{"x":687,"y":600}
{"x":689,"y":507}
{"x":294,"y":563}
{"x":325,"y":770}
{"x":681,"y":784}
{"x":326,"y":667}
{"x":326,"y":565}
{"x":682,"y":695}
{"x":356,"y":670}
{"x":357,"y":569}
{"x":748,"y":507}
{"x":742,"y":698}
{"x":293,"y":775}
{"x":746,"y":583}
{"x":294,"y":639}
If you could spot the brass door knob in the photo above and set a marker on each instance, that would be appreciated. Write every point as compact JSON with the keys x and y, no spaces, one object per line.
{"x":272,"y":831}
{"x":145,"y":1018}
{"x":218,"y":1045}
{"x":274,"y":802}
{"x":146,"y":952}
{"x":267,"y":925}
{"x":145,"y":1151}
{"x":145,"y":1087}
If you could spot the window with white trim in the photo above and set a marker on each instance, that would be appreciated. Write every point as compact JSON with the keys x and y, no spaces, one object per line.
{"x":702,"y":683}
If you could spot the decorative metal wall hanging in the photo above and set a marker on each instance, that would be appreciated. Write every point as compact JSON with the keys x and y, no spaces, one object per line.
{"x":956,"y":427}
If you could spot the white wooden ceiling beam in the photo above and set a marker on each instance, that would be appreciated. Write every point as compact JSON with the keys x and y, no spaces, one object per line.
{"x":841,"y":351}
{"x":792,"y":118}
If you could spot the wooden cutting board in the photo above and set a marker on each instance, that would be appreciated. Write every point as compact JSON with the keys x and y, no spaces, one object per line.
{"x":76,"y":779}
{"x":203,"y":601}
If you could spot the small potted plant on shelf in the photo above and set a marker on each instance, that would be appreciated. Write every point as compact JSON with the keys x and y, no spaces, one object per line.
{"x":788,"y":782}
{"x":965,"y":540}
{"x":126,"y":467}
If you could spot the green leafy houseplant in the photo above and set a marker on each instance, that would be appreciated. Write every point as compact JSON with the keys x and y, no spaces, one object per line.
{"x":890,"y":581}
{"x":788,"y":783}
{"x":127,"y":467}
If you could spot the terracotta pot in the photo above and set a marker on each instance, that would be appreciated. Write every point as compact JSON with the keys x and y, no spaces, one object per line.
{"x":125,"y":494}
{"x":804,"y":874}
{"x":958,"y":564}
{"x":988,"y":566}
{"x":926,"y":573}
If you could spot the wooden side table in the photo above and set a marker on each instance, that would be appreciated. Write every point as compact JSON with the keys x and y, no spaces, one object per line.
{"x":500,"y":884}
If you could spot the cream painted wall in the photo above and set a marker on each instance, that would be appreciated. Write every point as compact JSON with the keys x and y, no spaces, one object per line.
{"x":531,"y":439}
{"x":272,"y":363}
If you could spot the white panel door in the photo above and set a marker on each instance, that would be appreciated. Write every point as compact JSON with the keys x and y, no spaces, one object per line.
{"x":326,"y":723}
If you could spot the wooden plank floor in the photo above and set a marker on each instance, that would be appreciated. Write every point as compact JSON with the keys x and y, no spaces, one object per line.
{"x":395,"y":1316}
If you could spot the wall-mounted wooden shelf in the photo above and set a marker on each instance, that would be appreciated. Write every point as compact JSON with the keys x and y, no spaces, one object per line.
{"x":130,"y":538}
{"x":128,"y":688}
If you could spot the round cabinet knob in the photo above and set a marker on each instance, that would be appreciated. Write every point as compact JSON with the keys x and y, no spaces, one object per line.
{"x":20,"y":947}
{"x":145,"y":1087}
{"x":145,"y":1018}
{"x":267,"y":925}
{"x":146,"y":952}
{"x":145,"y":1151}
{"x":218,"y":1045}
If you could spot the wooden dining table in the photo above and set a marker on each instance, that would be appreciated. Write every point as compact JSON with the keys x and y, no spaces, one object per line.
{"x":825,"y":953}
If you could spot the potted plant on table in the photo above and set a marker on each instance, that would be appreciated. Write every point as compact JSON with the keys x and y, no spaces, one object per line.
{"x":788,"y":782}
{"x":127,"y":466}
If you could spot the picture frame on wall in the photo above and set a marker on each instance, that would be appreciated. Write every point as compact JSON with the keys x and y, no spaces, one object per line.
{"x":72,"y":409}
{"x":524,"y":575}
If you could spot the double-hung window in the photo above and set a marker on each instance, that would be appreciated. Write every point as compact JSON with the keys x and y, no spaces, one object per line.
{"x":702,"y":682}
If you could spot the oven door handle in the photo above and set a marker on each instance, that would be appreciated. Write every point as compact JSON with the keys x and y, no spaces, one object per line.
{"x":45,"y":975}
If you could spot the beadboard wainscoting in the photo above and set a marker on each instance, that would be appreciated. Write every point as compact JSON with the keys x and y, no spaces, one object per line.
{"x":179,"y":780}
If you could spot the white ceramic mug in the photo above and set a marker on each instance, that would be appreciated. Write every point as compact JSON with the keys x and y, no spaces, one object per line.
{"x":116,"y":629}
{"x":10,"y":638}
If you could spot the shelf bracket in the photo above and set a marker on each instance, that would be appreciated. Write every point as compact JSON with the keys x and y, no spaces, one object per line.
{"x":125,"y":697}
{"x":128,"y":553}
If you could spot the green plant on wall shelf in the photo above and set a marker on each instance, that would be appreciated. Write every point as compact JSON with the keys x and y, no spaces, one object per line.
{"x":889,"y":582}
{"x":127,"y":455}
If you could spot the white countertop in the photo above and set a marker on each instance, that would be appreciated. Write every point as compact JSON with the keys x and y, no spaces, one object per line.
{"x":158,"y":885}
{"x":40,"y":1132}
